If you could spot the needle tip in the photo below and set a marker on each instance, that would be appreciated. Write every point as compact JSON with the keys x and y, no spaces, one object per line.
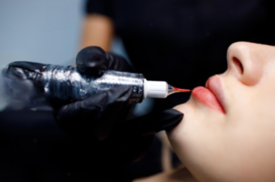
{"x":181,"y":90}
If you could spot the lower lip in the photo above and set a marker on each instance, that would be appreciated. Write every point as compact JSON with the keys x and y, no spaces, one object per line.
{"x":205,"y":96}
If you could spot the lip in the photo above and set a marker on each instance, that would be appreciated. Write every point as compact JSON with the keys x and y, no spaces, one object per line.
{"x":211,"y":95}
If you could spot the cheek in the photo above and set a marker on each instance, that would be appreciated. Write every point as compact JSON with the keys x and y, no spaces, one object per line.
{"x":250,"y":152}
{"x":232,"y":147}
{"x":250,"y":137}
{"x":199,"y":123}
{"x":197,"y":140}
{"x":237,"y":147}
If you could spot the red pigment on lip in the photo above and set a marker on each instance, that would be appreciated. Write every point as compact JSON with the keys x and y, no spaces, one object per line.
{"x":207,"y":97}
{"x":181,"y":90}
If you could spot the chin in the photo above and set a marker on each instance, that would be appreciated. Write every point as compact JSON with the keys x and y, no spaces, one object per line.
{"x":188,"y":110}
{"x":177,"y":134}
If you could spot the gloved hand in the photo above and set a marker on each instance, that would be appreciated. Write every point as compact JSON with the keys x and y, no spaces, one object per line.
{"x":103,"y":115}
{"x":94,"y":61}
{"x":100,"y":119}
{"x":99,"y":113}
{"x":133,"y":137}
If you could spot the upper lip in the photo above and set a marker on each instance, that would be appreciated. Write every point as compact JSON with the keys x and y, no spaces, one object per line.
{"x":215,"y":86}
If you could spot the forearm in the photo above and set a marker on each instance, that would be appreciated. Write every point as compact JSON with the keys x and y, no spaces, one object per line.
{"x":97,"y":30}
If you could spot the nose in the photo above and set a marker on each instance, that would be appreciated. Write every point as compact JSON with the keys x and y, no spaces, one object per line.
{"x":246,"y":61}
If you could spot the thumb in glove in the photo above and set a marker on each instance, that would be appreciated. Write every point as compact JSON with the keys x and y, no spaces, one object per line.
{"x":93,"y":61}
{"x":133,"y":137}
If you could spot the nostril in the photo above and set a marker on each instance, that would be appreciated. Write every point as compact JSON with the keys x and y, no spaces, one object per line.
{"x":238,"y":65}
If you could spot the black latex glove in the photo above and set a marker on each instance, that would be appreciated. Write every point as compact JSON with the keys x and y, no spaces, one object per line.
{"x":101,"y":119}
{"x":128,"y":143}
{"x":103,"y":116}
{"x":99,"y":113}
{"x":133,"y":137}
{"x":94,"y":61}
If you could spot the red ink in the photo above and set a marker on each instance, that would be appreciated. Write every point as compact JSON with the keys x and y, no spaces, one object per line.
{"x":207,"y":97}
{"x":181,"y":90}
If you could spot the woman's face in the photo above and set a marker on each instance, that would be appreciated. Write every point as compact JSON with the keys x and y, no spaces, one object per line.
{"x":228,"y":129}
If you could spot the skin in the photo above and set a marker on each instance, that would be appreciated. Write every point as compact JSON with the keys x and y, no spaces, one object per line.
{"x":98,"y":30}
{"x":237,"y":145}
{"x":179,"y":174}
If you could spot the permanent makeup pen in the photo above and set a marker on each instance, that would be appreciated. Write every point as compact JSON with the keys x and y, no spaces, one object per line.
{"x":66,"y":84}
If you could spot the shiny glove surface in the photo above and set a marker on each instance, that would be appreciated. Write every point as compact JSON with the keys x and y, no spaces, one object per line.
{"x":101,"y":119}
{"x":103,"y":116}
{"x":99,"y":113}
{"x":94,"y":61}
{"x":135,"y":135}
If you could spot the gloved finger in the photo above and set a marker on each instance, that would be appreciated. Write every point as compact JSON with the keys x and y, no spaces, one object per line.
{"x":150,"y":123}
{"x":134,"y":137}
{"x":24,"y":69}
{"x":93,"y":61}
{"x":84,"y":114}
{"x":117,"y":108}
{"x":30,"y":66}
{"x":19,"y":85}
{"x":118,"y":63}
